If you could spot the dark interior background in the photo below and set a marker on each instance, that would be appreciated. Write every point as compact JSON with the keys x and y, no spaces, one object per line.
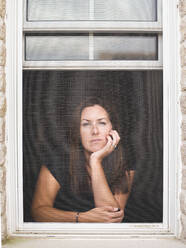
{"x":49,"y":97}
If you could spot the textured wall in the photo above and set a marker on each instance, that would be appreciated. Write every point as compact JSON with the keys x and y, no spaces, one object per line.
{"x":183,"y":108}
{"x":2,"y":119}
{"x":3,"y":115}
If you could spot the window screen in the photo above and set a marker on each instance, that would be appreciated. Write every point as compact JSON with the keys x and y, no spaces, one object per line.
{"x":49,"y":100}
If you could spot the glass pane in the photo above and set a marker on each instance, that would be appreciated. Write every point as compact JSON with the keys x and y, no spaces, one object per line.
{"x":57,"y":47}
{"x":60,"y":10}
{"x":128,"y":10}
{"x":125,"y":47}
{"x":56,"y":10}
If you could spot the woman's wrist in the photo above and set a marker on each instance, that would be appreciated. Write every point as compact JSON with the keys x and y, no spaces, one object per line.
{"x":77,"y":217}
{"x":94,"y":161}
{"x":82,"y":217}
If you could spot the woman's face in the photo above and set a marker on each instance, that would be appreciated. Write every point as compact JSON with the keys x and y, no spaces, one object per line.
{"x":95,"y":126}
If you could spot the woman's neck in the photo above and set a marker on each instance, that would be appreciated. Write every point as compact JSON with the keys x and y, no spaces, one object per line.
{"x":87,"y":156}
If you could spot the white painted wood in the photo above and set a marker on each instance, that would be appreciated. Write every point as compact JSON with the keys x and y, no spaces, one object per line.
{"x":12,"y":38}
{"x":91,"y":46}
{"x":98,"y":65}
{"x":160,"y":11}
{"x":0,"y":225}
{"x":93,"y":26}
{"x":14,"y":131}
{"x":171,"y":110}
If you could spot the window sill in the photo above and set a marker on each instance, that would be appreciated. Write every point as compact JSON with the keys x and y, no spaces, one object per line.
{"x":92,"y":243}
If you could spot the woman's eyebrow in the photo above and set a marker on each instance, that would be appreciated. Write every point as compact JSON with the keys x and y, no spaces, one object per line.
{"x":103,"y":118}
{"x":85,"y":120}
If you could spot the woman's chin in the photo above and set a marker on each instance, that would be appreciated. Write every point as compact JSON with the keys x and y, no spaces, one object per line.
{"x":96,"y":148}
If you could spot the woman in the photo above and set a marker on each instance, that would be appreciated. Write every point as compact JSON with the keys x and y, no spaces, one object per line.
{"x":95,"y":185}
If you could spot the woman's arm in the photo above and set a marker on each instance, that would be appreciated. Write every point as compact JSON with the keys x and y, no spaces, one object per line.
{"x":101,"y":190}
{"x":122,"y":198}
{"x":43,"y":211}
{"x":45,"y":194}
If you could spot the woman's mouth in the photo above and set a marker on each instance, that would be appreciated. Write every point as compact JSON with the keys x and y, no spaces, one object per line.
{"x":94,"y":141}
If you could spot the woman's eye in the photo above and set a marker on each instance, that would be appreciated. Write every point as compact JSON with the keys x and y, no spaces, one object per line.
{"x":85,"y":124}
{"x":102,"y":123}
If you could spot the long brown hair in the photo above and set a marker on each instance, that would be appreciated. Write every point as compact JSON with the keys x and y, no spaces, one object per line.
{"x":114,"y":164}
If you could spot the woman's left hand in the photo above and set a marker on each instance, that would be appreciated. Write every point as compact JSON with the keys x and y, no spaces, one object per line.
{"x":112,"y":141}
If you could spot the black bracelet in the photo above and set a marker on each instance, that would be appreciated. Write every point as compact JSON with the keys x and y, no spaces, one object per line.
{"x":77,"y":216}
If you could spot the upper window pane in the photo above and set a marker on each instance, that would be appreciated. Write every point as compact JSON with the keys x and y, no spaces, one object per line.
{"x":125,"y":47}
{"x":126,"y":10}
{"x":98,"y":10}
{"x":57,"y":47}
{"x":57,"y":10}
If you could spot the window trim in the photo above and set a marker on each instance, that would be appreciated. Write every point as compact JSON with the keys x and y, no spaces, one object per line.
{"x":171,"y":224}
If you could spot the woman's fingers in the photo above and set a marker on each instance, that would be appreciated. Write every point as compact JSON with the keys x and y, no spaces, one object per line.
{"x":106,"y":214}
{"x":118,"y":214}
{"x":114,"y":214}
{"x":111,"y":209}
{"x":115,"y":138}
{"x":112,"y":141}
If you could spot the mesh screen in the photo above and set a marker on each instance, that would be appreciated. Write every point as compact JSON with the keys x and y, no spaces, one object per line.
{"x":49,"y":98}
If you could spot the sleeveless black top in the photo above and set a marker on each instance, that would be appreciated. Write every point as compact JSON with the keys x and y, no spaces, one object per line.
{"x":66,"y":199}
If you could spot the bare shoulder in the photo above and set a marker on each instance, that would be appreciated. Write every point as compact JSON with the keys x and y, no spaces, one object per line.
{"x":46,"y":188}
{"x":46,"y":178}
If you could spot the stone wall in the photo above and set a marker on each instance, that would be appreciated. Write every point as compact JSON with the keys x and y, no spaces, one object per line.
{"x":183,"y":109}
{"x":2,"y":119}
{"x":182,"y":7}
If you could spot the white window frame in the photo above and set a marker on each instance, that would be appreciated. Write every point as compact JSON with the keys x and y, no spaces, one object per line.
{"x":96,"y":26}
{"x":171,"y":184}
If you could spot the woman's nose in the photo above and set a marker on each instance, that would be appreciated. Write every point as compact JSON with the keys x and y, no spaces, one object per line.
{"x":95,"y":129}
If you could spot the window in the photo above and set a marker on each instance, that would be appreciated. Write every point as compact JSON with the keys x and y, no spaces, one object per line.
{"x":106,"y":51}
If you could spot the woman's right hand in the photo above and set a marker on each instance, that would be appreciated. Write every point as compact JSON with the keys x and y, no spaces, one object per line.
{"x":112,"y":141}
{"x":106,"y":214}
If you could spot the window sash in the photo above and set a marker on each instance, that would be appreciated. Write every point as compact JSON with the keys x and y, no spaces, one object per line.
{"x":94,"y":25}
{"x":95,"y":64}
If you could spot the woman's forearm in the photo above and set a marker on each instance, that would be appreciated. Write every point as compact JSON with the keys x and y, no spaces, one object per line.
{"x":50,"y":214}
{"x":102,"y":194}
{"x":102,"y":214}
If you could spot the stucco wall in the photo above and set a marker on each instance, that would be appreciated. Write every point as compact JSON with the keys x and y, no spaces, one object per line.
{"x":3,"y":115}
{"x":2,"y":118}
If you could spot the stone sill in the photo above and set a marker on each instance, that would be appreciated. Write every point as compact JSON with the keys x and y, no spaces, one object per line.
{"x":92,"y":243}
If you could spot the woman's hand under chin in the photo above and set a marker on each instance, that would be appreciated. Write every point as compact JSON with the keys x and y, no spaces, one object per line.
{"x":112,"y":141}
